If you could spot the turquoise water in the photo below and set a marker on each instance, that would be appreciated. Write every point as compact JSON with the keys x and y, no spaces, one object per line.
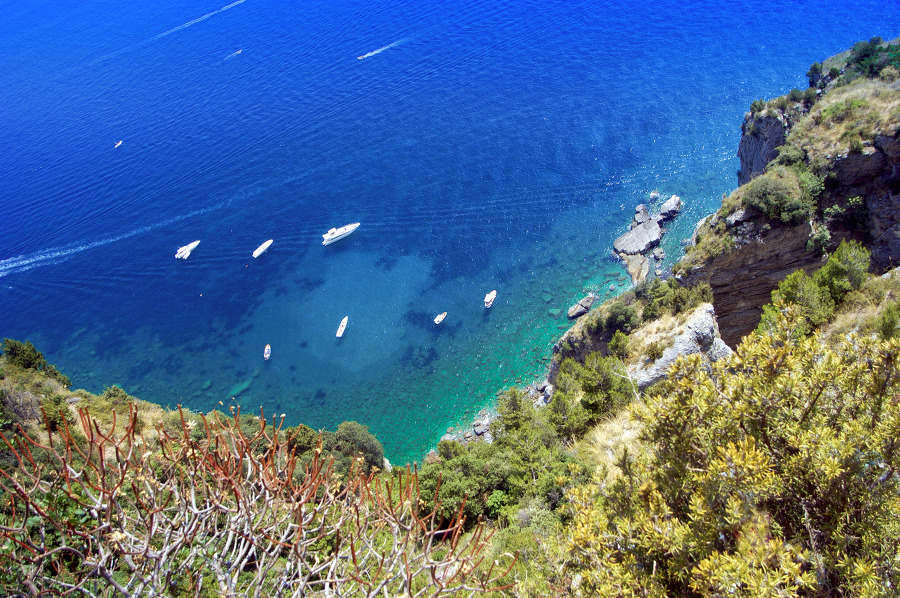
{"x":481,"y":145}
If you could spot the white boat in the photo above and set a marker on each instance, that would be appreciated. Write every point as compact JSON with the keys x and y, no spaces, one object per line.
{"x":267,"y":352}
{"x":489,"y":298}
{"x":336,"y":234}
{"x":118,"y":143}
{"x":440,"y":318}
{"x":184,"y":252}
{"x":342,"y":327}
{"x":262,"y":248}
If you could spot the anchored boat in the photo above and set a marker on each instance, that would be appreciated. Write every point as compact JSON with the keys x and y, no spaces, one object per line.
{"x":262,"y":248}
{"x":336,"y":234}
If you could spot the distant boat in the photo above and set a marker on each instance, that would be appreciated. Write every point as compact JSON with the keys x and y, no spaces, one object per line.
{"x":489,"y":298}
{"x":185,"y":251}
{"x":118,"y":143}
{"x":440,"y":318}
{"x":262,"y":248}
{"x":342,"y":327}
{"x":267,"y":352}
{"x":335,"y":234}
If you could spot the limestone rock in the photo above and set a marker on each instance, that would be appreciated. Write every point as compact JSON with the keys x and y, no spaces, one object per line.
{"x":670,"y":208}
{"x":641,"y":215}
{"x":638,"y":267}
{"x":639,"y":239}
{"x":581,"y":308}
{"x":701,"y":335}
{"x":759,"y":142}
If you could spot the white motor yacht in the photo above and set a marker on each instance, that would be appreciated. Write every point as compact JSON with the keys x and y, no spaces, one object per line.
{"x":336,"y":234}
{"x":489,"y":298}
{"x":184,"y":252}
{"x":262,"y":248}
{"x":342,"y":327}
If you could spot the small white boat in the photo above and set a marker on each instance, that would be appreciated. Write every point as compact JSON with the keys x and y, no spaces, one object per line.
{"x":184,"y":252}
{"x":440,"y":318}
{"x":342,"y":327}
{"x":267,"y":352}
{"x":262,"y":248}
{"x":489,"y":298}
{"x":118,"y":143}
{"x":336,"y":234}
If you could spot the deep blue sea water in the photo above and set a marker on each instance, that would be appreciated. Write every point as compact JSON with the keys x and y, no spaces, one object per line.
{"x":482,"y":145}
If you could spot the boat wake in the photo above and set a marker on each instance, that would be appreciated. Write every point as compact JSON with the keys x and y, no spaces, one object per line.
{"x":169,"y":32}
{"x":233,"y":54}
{"x":195,"y":21}
{"x":56,"y":255}
{"x":380,"y":50}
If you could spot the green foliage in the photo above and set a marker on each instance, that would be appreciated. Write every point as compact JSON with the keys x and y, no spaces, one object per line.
{"x":789,"y":155}
{"x":27,"y":357}
{"x":887,"y":324}
{"x":600,"y":381}
{"x":669,"y":297}
{"x":757,"y":106}
{"x":57,"y":412}
{"x":843,"y":110}
{"x":815,"y":303}
{"x":618,"y":344}
{"x":773,"y":475}
{"x":353,"y":440}
{"x":654,"y":351}
{"x":116,"y":396}
{"x":846,"y":270}
{"x":819,"y":239}
{"x":778,"y":195}
{"x":621,"y":317}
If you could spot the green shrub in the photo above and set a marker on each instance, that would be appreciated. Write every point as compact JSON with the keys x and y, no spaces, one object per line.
{"x":353,"y":440}
{"x":887,"y":324}
{"x":843,"y":110}
{"x":788,"y":155}
{"x":618,"y":345}
{"x":654,"y":351}
{"x":814,"y":300}
{"x":116,"y":396}
{"x":621,"y":317}
{"x":757,"y":106}
{"x":778,"y":195}
{"x":846,"y":270}
{"x":27,"y":357}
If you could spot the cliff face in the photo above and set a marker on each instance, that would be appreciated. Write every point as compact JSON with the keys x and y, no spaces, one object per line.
{"x":874,"y":175}
{"x":762,"y":134}
{"x":742,"y":280}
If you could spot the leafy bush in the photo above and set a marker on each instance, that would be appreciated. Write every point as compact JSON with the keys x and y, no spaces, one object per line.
{"x":27,"y":357}
{"x":778,"y":195}
{"x":789,"y":154}
{"x":815,"y":303}
{"x":621,"y":317}
{"x":618,"y":345}
{"x":887,"y":324}
{"x":353,"y":440}
{"x":773,"y":476}
{"x":654,"y":351}
{"x":846,"y":270}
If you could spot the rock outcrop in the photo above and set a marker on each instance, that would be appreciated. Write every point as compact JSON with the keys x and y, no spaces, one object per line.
{"x":581,"y":308}
{"x":698,"y":334}
{"x":742,"y":280}
{"x":639,"y":239}
{"x":634,"y":246}
{"x":762,"y":134}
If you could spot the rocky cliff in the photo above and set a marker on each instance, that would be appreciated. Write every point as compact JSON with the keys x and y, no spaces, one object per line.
{"x":742,"y":280}
{"x":761,"y":135}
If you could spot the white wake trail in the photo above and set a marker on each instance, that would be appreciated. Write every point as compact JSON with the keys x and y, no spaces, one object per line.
{"x":382,"y":49}
{"x":55,"y":255}
{"x":195,"y":21}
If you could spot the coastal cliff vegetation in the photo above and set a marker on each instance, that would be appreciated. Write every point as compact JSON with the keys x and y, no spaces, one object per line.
{"x":771,"y":471}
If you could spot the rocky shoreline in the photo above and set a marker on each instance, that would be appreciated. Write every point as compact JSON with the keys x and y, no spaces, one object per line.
{"x":637,"y":249}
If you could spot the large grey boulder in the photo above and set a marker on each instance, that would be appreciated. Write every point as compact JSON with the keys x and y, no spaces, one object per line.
{"x":581,"y":308}
{"x":639,"y":239}
{"x":670,"y":208}
{"x":701,"y":335}
{"x":641,"y":215}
